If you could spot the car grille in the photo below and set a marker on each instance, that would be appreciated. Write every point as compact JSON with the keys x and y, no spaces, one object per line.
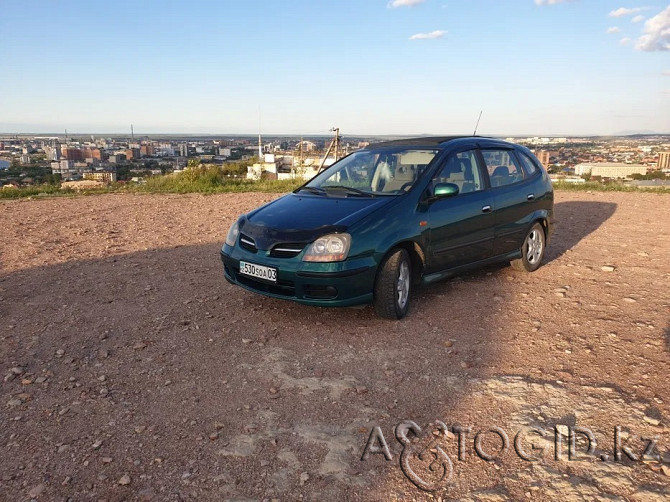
{"x":286,"y":250}
{"x":282,"y":288}
{"x":248,"y":243}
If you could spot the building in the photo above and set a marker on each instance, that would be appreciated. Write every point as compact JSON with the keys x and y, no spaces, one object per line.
{"x":663,"y":160}
{"x":104,"y":176}
{"x":25,"y":159}
{"x":70,"y":153}
{"x":610,"y":169}
{"x":147,"y":150}
{"x":133,"y":153}
{"x":117,"y":158}
{"x":543,"y":157}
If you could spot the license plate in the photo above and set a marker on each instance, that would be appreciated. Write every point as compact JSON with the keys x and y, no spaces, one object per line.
{"x":258,"y":271}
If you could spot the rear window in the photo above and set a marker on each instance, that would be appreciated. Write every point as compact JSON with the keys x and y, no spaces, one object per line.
{"x":527,"y":163}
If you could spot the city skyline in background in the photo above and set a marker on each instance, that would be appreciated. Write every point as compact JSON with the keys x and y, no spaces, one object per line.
{"x":399,"y":67}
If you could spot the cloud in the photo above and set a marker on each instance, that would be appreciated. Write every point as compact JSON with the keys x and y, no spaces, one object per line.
{"x":637,"y":19}
{"x":551,"y":2}
{"x":623,"y":11}
{"x":403,"y":3}
{"x":656,"y":33}
{"x":426,"y":36}
{"x":625,"y":41}
{"x":613,"y":29}
{"x":666,"y":73}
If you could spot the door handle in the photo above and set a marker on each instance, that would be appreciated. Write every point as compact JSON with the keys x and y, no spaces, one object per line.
{"x":531,"y":196}
{"x":486,"y":209}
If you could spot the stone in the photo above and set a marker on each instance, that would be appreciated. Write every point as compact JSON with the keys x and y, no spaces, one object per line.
{"x":304,"y":477}
{"x":125,"y":480}
{"x":563,"y":430}
{"x":36,"y":491}
{"x":651,"y":420}
{"x":608,"y":268}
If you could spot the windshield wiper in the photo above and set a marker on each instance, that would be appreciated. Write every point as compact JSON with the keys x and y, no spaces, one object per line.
{"x":351,"y":190}
{"x":316,"y":190}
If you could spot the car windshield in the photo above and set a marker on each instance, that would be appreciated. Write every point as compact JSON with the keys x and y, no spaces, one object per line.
{"x":368,"y":173}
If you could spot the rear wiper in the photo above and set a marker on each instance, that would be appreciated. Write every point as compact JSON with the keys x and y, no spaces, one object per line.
{"x":316,"y":190}
{"x":351,"y":190}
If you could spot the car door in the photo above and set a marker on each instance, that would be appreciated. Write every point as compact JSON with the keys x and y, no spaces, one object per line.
{"x":461,"y":226}
{"x":513,"y":198}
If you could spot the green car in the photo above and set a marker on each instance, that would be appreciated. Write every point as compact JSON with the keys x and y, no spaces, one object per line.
{"x":392,"y":216}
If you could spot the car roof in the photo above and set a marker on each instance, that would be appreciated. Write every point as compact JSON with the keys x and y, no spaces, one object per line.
{"x":439,"y":141}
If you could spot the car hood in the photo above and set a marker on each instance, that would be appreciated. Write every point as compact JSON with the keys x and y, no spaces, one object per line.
{"x":302,"y":218}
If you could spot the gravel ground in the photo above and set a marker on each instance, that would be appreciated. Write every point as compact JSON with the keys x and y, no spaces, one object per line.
{"x":132,"y":371}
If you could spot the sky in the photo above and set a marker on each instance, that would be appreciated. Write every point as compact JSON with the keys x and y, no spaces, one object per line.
{"x":369,"y":67}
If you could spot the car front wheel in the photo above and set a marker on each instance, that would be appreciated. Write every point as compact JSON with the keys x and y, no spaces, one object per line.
{"x":532,"y":250}
{"x":393,"y":285}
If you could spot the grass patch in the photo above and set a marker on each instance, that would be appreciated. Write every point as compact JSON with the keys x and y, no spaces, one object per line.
{"x":595,"y":186}
{"x":210,"y":179}
{"x":203,"y":179}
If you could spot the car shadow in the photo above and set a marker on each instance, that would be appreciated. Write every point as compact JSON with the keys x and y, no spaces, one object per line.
{"x":575,"y":220}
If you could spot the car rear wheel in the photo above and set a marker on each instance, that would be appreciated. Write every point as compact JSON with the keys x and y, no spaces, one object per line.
{"x":393,"y":285}
{"x":532,"y":250}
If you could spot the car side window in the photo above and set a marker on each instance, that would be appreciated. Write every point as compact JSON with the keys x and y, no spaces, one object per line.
{"x":461,"y":169}
{"x":502,"y":167}
{"x":529,"y":166}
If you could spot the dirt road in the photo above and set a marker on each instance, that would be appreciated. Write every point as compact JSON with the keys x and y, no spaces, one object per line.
{"x":133,"y":371}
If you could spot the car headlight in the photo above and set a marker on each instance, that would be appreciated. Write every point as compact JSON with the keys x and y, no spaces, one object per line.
{"x":333,"y":247}
{"x":234,"y":231}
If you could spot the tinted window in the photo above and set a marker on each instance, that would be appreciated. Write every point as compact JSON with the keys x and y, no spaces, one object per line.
{"x":503,"y":167}
{"x":527,"y":163}
{"x":462,"y":170}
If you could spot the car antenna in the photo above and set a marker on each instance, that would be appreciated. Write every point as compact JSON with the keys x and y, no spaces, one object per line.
{"x":477,"y":124}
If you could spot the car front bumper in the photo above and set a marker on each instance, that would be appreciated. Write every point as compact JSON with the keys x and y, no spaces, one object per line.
{"x":338,"y":284}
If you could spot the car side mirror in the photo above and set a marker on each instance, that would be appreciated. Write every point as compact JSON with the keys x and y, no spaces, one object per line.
{"x":443,"y":190}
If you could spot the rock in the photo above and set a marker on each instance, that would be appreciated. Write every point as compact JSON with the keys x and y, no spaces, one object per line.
{"x":36,"y":491}
{"x":608,"y":268}
{"x":106,"y":460}
{"x":250,"y":428}
{"x":17,"y":370}
{"x":140,"y":346}
{"x":13,"y":403}
{"x":563,"y":430}
{"x":448,"y":343}
{"x":97,"y":444}
{"x":246,"y":340}
{"x":273,"y":390}
{"x":125,"y":480}
{"x":214,"y":436}
{"x":40,"y":379}
{"x":665,"y":470}
{"x":651,"y":420}
{"x":630,"y":300}
{"x":304,"y":477}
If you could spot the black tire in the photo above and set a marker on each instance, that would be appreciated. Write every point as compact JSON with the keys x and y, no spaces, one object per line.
{"x":391,"y":298}
{"x":532,"y":250}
